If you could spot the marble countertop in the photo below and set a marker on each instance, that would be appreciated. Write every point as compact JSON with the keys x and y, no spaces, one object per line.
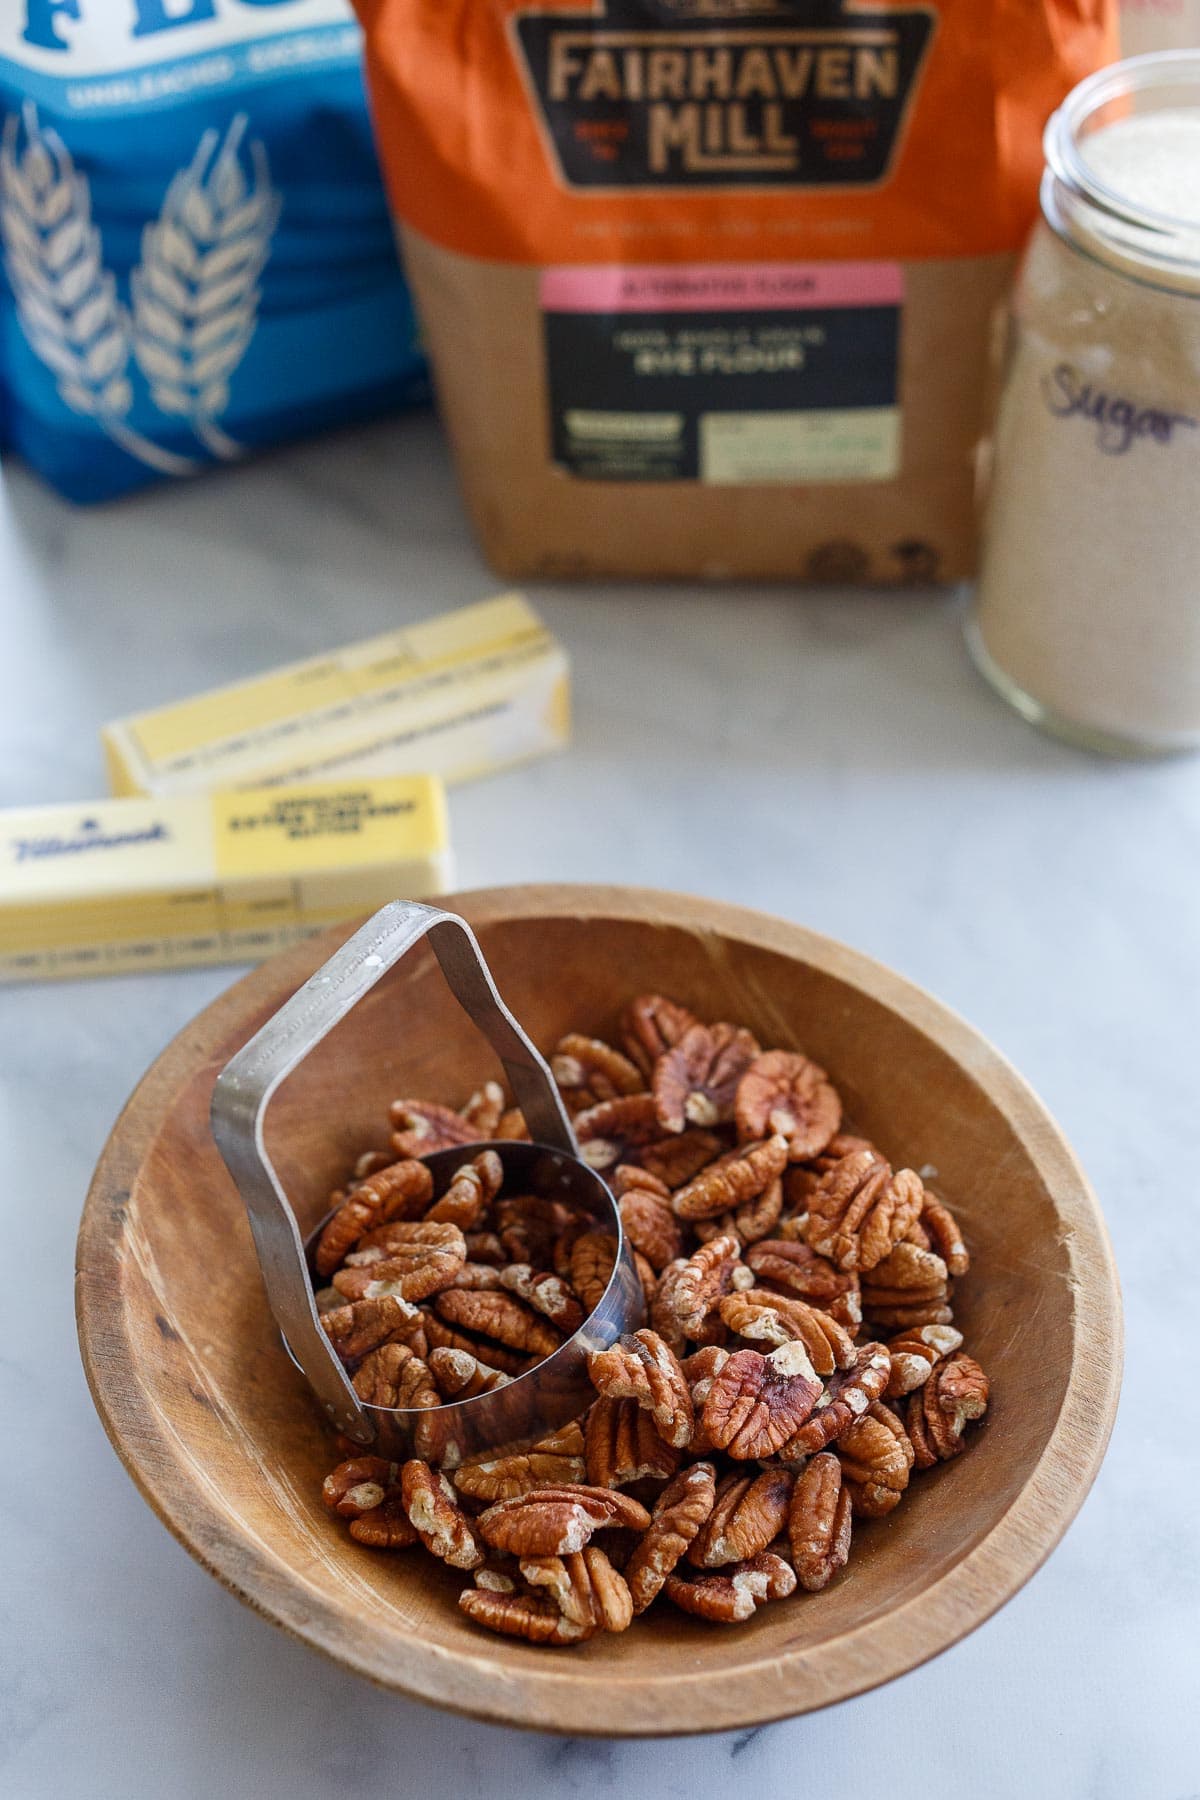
{"x":831,"y":758}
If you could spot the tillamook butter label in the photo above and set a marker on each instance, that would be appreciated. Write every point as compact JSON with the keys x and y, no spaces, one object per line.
{"x":116,"y":885}
{"x":457,"y":696}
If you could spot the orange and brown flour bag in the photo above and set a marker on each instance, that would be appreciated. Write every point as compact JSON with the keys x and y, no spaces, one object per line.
{"x":709,"y":286}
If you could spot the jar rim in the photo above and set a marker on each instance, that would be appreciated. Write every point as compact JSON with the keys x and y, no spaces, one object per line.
{"x":1163,"y":239}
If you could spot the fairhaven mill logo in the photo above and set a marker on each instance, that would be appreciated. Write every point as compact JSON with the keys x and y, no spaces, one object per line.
{"x":719,"y":93}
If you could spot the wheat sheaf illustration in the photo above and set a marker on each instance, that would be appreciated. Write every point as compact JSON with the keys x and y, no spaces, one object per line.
{"x":195,"y":292}
{"x":66,"y":300}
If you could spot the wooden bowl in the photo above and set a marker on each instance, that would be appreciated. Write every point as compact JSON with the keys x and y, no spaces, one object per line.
{"x":219,"y":1432}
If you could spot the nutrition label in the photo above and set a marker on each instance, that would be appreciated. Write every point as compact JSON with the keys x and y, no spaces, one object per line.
{"x":729,"y":375}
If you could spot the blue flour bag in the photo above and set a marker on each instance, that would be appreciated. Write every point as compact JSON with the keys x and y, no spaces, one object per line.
{"x":196,"y":250}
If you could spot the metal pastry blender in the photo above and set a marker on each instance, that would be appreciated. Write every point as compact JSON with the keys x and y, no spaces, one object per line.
{"x":550,"y":1166}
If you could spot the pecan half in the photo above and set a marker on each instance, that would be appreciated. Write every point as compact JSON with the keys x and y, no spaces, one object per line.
{"x":460,"y":1376}
{"x":556,"y":1460}
{"x":359,"y":1485}
{"x":593,"y":1259}
{"x":565,"y":1582}
{"x":622,"y":1445}
{"x":477,"y":1276}
{"x":819,"y":1523}
{"x":466,"y":1200}
{"x":611,"y":1599}
{"x":499,"y":1316}
{"x":757,"y":1403}
{"x":674,"y":1161}
{"x":938,"y":1413}
{"x":484,"y":1111}
{"x":526,"y":1616}
{"x":792,"y":1227}
{"x":587,"y":1590}
{"x":419,"y":1127}
{"x":757,"y":1219}
{"x":420,"y":1259}
{"x":700,"y":1367}
{"x":748,"y":1514}
{"x":394,"y":1377}
{"x":914,"y":1353}
{"x":494,"y":1356}
{"x":651,"y":1226}
{"x":798,"y":1270}
{"x":628,"y":1176}
{"x":357,"y":1328}
{"x":860,"y":1209}
{"x":694,"y":1082}
{"x":941,"y":1229}
{"x":564,"y":1244}
{"x":370,"y":1163}
{"x":651,"y":1025}
{"x":512,"y":1126}
{"x":615,"y":1130}
{"x":377,"y":1245}
{"x":662,"y":1308}
{"x":494,"y":1580}
{"x":849,"y":1395}
{"x":735,"y":1593}
{"x":906,"y":1276}
{"x":732,"y":1180}
{"x":697,"y":1289}
{"x":642,"y":1367}
{"x":776,"y":1319}
{"x":557,"y":1521}
{"x":485,"y":1247}
{"x":529,"y":1227}
{"x":385,"y":1527}
{"x":433,"y":1510}
{"x":399,"y":1191}
{"x":547,"y":1293}
{"x":587,"y":1071}
{"x":786,"y":1093}
{"x":876,"y":1456}
{"x":912,"y":1316}
{"x":803,"y":1178}
{"x":679,"y":1513}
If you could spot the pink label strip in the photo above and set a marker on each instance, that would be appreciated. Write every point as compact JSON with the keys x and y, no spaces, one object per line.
{"x":719,"y":287}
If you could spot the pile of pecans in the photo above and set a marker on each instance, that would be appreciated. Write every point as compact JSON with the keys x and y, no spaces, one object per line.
{"x":800,"y":1362}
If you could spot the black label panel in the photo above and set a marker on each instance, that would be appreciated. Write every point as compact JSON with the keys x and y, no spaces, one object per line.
{"x":726,"y":395}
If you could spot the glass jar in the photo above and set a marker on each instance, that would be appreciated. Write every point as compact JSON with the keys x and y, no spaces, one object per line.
{"x":1087,"y":617}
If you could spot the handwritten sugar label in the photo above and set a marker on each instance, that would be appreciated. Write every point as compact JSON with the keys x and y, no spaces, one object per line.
{"x":1119,"y":421}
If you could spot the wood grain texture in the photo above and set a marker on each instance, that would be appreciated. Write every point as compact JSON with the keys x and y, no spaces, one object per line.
{"x":218,"y":1431}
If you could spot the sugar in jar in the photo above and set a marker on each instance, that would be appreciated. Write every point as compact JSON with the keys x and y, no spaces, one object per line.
{"x":1087,"y":617}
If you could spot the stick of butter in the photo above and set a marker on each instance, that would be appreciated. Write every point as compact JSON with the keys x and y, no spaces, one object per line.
{"x":457,"y":696}
{"x":115,"y":885}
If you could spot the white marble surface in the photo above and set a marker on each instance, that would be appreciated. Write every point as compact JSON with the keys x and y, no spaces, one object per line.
{"x":829,"y":758}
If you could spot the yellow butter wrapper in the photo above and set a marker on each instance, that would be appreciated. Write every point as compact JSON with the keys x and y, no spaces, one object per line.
{"x":457,"y":696}
{"x":161,"y":883}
